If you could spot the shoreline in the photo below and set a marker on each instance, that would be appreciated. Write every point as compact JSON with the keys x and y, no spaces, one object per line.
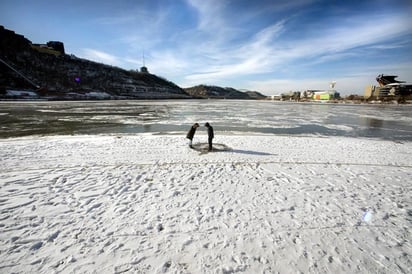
{"x":343,"y":101}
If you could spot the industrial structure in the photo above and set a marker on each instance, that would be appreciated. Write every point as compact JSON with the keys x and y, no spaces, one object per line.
{"x":389,"y":88}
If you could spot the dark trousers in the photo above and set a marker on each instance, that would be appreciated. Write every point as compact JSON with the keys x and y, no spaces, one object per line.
{"x":210,"y":143}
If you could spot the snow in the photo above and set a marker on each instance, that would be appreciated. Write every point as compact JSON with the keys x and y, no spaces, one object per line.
{"x":257,"y":204}
{"x":21,"y":93}
{"x":98,"y":94}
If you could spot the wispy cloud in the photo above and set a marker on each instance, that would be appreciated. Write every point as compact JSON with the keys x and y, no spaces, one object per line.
{"x":210,"y":14}
{"x":268,"y":51}
{"x":100,"y":56}
{"x":247,"y":58}
{"x":232,"y":46}
{"x":352,"y":80}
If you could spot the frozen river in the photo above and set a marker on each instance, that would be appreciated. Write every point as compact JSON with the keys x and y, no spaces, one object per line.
{"x":229,"y":117}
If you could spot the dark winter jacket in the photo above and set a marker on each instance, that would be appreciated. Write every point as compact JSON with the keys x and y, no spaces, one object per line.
{"x":210,"y":132}
{"x":191,"y":133}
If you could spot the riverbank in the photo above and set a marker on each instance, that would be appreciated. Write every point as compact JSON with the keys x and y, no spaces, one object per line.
{"x":149,"y":204}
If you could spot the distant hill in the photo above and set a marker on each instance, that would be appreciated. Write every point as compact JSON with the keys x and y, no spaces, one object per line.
{"x":255,"y":95}
{"x":215,"y":92}
{"x":52,"y":74}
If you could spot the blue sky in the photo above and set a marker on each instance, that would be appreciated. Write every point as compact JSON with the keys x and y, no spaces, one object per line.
{"x":269,"y":46}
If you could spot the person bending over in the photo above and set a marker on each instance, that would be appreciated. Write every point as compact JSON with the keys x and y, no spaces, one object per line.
{"x":191,"y":134}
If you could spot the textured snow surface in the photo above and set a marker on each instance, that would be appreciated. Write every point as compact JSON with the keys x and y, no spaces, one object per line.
{"x":257,"y":204}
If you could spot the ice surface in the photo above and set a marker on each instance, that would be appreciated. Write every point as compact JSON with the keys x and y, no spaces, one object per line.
{"x":229,"y":116}
{"x":150,"y":204}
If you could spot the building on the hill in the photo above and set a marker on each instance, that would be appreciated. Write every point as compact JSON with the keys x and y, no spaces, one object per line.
{"x":56,"y":45}
{"x":144,"y":70}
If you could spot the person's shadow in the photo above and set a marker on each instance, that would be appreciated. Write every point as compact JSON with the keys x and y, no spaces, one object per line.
{"x":203,"y":148}
{"x":250,"y":152}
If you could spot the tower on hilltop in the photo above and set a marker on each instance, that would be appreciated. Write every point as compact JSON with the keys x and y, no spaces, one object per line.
{"x":144,"y":69}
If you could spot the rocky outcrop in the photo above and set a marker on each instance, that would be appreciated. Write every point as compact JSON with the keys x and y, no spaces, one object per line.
{"x":55,"y":75}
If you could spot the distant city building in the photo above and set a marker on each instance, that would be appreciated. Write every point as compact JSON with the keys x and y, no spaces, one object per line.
{"x":371,"y":91}
{"x":321,"y":95}
{"x":389,"y":87}
{"x":277,"y":97}
{"x":324,"y":94}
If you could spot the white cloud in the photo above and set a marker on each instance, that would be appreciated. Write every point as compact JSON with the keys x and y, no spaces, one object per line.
{"x":210,"y":14}
{"x":267,"y":52}
{"x":216,"y":50}
{"x":353,"y":81}
{"x":249,"y":58}
{"x":100,"y":56}
{"x":162,"y":63}
{"x":277,"y":86}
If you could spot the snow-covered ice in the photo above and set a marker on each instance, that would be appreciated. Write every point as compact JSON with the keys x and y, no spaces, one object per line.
{"x":260,"y":204}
